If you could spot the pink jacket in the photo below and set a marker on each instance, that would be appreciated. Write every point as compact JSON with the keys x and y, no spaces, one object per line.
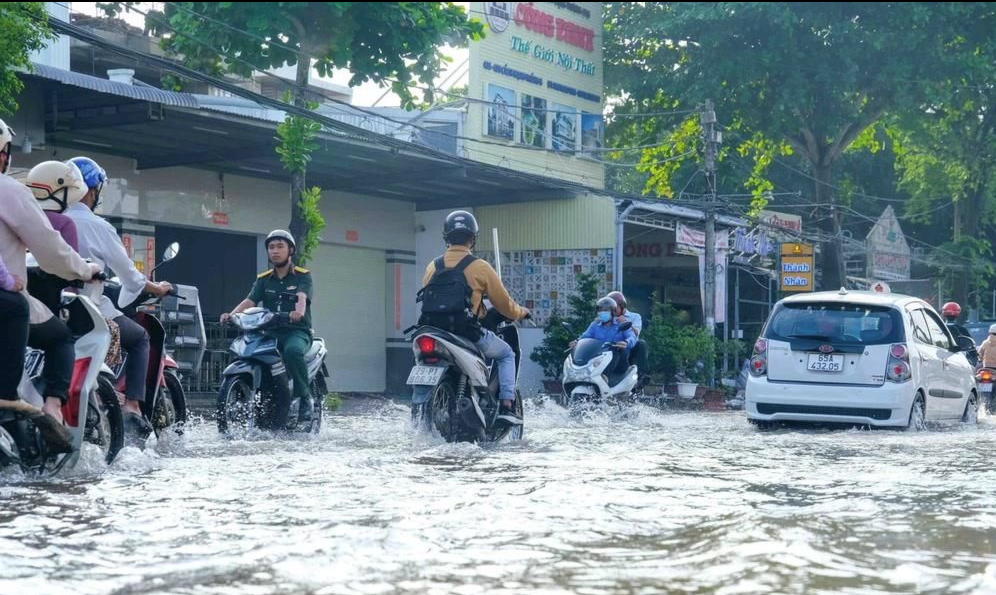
{"x":23,"y":226}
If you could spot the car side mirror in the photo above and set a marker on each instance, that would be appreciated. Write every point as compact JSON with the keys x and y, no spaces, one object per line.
{"x":964,"y":344}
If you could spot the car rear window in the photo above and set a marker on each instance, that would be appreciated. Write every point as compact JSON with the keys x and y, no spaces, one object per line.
{"x":836,"y":322}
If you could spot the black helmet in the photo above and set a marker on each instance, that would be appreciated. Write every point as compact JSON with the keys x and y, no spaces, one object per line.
{"x":606,"y":303}
{"x":460,"y":227}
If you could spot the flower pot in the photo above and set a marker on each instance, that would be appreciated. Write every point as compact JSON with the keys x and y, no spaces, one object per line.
{"x":686,"y":390}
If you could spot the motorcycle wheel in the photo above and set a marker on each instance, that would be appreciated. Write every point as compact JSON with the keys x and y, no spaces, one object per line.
{"x":108,"y":430}
{"x":437,"y":414}
{"x":236,"y":411}
{"x":171,"y":406}
{"x":316,"y":414}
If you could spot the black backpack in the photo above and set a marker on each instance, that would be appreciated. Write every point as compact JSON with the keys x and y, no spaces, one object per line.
{"x":446,"y":300}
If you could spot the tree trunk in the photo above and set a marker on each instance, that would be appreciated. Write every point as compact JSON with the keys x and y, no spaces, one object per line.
{"x":832,"y":254}
{"x":298,"y":225}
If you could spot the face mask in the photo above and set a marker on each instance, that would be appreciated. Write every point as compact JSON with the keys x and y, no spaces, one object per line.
{"x":605,"y":316}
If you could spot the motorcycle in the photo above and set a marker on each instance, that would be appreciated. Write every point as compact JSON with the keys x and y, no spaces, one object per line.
{"x":165,"y":404}
{"x":984,"y":379}
{"x":92,"y":413}
{"x":585,"y":380}
{"x":455,"y":390}
{"x":256,"y":384}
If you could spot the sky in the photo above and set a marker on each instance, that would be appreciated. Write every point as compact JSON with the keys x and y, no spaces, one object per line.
{"x":366,"y":95}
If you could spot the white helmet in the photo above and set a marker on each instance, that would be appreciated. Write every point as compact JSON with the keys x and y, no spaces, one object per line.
{"x":992,"y":329}
{"x":6,"y":138}
{"x":280,"y":234}
{"x":56,"y":185}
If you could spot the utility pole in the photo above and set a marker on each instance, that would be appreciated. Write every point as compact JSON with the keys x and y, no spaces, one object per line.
{"x":712,"y":140}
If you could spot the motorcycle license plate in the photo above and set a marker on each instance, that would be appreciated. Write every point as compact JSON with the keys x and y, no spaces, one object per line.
{"x":986,"y":387}
{"x":426,"y":375}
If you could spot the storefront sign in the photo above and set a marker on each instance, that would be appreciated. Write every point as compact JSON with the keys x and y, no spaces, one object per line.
{"x":796,"y":268}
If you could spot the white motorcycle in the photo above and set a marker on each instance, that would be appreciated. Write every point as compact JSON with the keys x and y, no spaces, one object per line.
{"x":585,"y":380}
{"x":455,"y":389}
{"x":92,"y":414}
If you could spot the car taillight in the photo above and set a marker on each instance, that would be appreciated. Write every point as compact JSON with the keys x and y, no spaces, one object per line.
{"x":425,"y":344}
{"x":70,"y":411}
{"x":898,"y":368}
{"x":759,"y":361}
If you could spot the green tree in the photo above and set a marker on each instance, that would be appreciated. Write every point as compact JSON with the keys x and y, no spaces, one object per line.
{"x":25,"y":30}
{"x":947,"y":154}
{"x":788,"y":77}
{"x":562,"y":329}
{"x":385,"y":42}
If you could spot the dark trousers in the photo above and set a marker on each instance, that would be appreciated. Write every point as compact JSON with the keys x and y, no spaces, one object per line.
{"x":14,"y":319}
{"x":638,"y":358}
{"x":53,"y":337}
{"x":134,"y":342}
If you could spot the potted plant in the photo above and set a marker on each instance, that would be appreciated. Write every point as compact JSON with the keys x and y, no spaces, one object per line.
{"x":678,"y":348}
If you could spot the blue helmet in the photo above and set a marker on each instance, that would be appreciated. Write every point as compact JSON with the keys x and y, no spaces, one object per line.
{"x":94,"y":176}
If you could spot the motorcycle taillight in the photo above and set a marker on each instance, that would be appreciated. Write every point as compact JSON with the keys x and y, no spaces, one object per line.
{"x":70,"y":410}
{"x":425,"y":344}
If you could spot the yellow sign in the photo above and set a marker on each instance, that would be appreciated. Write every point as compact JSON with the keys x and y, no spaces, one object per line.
{"x":796,"y":267}
{"x":797,"y":249}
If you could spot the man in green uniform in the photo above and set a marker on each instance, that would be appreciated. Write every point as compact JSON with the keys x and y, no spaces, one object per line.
{"x":285,"y":288}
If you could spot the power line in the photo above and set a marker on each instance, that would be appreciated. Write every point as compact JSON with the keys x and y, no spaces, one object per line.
{"x":301,"y":53}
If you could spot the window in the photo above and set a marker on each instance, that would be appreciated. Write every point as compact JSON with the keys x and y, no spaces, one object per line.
{"x":921,"y":332}
{"x":938,"y":331}
{"x":836,"y":322}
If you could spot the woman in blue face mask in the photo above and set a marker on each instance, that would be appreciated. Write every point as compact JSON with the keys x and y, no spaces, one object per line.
{"x":606,"y":328}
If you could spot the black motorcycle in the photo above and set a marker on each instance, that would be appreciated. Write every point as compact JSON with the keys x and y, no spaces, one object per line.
{"x":256,"y":385}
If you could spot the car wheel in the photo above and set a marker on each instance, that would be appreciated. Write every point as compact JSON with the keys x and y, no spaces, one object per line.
{"x":918,"y":415}
{"x":971,"y":415}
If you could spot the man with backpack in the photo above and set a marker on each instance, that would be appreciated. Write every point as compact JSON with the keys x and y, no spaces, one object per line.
{"x":453,"y":289}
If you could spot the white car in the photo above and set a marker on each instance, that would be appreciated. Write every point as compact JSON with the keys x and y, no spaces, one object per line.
{"x":859,"y":358}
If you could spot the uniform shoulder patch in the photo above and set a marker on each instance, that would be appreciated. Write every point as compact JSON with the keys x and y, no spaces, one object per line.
{"x":265,"y":273}
{"x":298,"y":269}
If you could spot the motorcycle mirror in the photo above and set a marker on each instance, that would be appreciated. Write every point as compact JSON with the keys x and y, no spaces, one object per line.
{"x":171,"y":251}
{"x":625,"y":326}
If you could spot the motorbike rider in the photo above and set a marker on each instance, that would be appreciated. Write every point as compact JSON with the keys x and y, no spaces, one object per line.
{"x":951,"y":311}
{"x":56,"y":186}
{"x":987,"y":351}
{"x":639,"y":355}
{"x":24,"y":227}
{"x":294,"y":339}
{"x":99,"y":242}
{"x":606,"y":328}
{"x":460,"y":233}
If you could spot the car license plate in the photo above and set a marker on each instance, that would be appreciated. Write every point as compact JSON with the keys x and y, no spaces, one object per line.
{"x":426,"y":375}
{"x":986,"y":387}
{"x":826,"y":362}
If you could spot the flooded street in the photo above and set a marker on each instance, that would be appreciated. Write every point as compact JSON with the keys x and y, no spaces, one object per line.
{"x":649,"y":502}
